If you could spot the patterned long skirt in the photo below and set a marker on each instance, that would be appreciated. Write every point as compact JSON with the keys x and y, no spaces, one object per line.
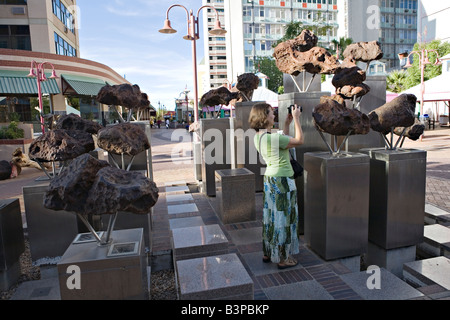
{"x":280,"y":218}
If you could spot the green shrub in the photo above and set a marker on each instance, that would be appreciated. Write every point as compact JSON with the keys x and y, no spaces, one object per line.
{"x":12,"y":132}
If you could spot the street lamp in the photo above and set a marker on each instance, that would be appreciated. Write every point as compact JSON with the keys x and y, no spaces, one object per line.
{"x":38,"y":71}
{"x":193,"y":35}
{"x":423,"y":61}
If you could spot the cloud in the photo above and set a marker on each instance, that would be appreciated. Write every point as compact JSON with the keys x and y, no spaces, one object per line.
{"x":121,"y":12}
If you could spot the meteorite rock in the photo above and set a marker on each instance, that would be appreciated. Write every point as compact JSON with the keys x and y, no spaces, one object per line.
{"x":348,"y":74}
{"x":350,"y":92}
{"x":71,"y":188}
{"x":364,"y":51}
{"x":124,"y":95}
{"x":334,"y":118}
{"x":61,"y":145}
{"x":75,"y":122}
{"x":117,"y":190}
{"x":218,"y":96}
{"x":21,"y":160}
{"x":414,"y":132}
{"x":305,"y":41}
{"x":5,"y":170}
{"x":400,"y":112}
{"x":316,"y":60}
{"x":126,"y":138}
{"x":247,"y":84}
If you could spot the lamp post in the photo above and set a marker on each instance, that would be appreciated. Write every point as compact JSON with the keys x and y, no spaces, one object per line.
{"x":423,"y":61}
{"x":38,"y":71}
{"x":193,"y":35}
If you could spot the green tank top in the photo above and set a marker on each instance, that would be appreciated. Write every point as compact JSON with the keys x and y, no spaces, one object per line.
{"x":275,"y":153}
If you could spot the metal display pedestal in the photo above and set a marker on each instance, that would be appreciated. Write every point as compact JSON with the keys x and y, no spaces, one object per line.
{"x":50,"y":232}
{"x":234,"y":191}
{"x":112,"y":272}
{"x":215,"y":152}
{"x":246,"y":154}
{"x":397,"y":197}
{"x":336,"y":204}
{"x":12,"y":243}
{"x":397,"y":206}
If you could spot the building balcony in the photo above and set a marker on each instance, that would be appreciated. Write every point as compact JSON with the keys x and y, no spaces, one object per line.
{"x":406,"y":11}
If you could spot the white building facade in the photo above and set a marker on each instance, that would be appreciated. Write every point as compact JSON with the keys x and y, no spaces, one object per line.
{"x":391,"y":22}
{"x":433,"y":20}
{"x":253,"y":27}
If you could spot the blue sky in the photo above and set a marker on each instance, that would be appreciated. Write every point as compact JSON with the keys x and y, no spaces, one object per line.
{"x":123,"y":34}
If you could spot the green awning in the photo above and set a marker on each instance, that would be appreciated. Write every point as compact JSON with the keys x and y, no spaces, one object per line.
{"x":81,"y":86}
{"x":17,"y":83}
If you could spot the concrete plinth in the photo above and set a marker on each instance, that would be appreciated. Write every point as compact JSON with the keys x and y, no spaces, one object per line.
{"x":428,"y":272}
{"x":113,"y":272}
{"x":234,"y":191}
{"x":198,"y":241}
{"x":12,"y":243}
{"x":436,"y":241}
{"x":397,"y":197}
{"x":392,"y":259}
{"x":214,"y":278}
{"x":337,"y":204}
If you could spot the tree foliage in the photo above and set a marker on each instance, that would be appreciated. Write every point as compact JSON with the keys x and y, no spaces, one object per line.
{"x":319,"y":27}
{"x":414,"y":73}
{"x":342,"y":44}
{"x":395,"y":81}
{"x":268,"y":66}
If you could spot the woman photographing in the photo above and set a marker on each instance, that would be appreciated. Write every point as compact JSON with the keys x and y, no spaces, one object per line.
{"x":280,"y":211}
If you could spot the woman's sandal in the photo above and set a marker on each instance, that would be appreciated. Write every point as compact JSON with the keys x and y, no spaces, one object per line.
{"x":289,"y":263}
{"x":266,"y":259}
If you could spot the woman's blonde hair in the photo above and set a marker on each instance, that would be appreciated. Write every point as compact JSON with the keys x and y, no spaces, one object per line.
{"x":258,"y":116}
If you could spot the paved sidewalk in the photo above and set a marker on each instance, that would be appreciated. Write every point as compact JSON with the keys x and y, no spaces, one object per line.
{"x":312,"y":279}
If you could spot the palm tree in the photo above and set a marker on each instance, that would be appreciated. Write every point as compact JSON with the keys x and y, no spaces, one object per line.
{"x":396,"y":81}
{"x":341,"y":45}
{"x":293,"y":29}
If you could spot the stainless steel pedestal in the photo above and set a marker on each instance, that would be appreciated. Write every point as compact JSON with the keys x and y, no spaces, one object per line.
{"x":12,"y":242}
{"x":50,"y":232}
{"x":313,"y":141}
{"x":336,"y":204}
{"x":246,"y":154}
{"x":113,"y":272}
{"x":397,"y":197}
{"x":216,"y":153}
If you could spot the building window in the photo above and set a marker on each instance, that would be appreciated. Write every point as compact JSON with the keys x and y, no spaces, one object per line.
{"x":15,"y":37}
{"x":63,"y":48}
{"x":14,"y":2}
{"x":63,"y":14}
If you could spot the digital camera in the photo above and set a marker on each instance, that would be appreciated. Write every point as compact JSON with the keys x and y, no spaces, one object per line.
{"x":291,"y":107}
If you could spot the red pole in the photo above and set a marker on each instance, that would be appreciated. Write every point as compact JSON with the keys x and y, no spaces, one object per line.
{"x":41,"y":106}
{"x":194,"y":64}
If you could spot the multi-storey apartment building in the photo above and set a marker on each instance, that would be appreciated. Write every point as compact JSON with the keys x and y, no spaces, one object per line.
{"x":392,"y":22}
{"x":41,"y":26}
{"x":215,"y":47}
{"x":46,"y":31}
{"x":254,"y":26}
{"x":433,"y":22}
